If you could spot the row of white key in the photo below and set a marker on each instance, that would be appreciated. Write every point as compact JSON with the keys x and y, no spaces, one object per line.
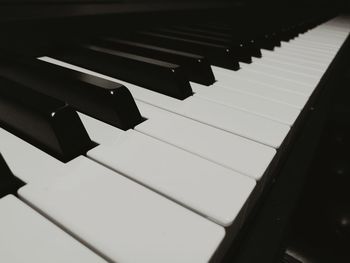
{"x":117,"y":218}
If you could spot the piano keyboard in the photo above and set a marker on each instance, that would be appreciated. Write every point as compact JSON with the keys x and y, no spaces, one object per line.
{"x":177,"y":141}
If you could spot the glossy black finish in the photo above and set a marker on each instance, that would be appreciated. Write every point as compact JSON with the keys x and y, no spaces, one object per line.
{"x":219,"y":55}
{"x":166,"y":78}
{"x":237,"y":47}
{"x":249,"y":44}
{"x":195,"y":66}
{"x":46,"y":123}
{"x":9,"y":184}
{"x":102,"y":99}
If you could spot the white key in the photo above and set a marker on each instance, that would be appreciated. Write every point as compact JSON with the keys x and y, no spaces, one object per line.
{"x":27,"y":162}
{"x":300,"y":42}
{"x":293,"y":50}
{"x":297,"y":54}
{"x":26,"y":236}
{"x":99,"y":131}
{"x":262,"y":90}
{"x":188,"y":170}
{"x":124,"y":221}
{"x":209,"y":189}
{"x":315,"y":42}
{"x":277,"y":72}
{"x":252,"y":104}
{"x":244,"y":124}
{"x":235,"y":121}
{"x":311,"y":57}
{"x":37,"y":168}
{"x":323,"y":51}
{"x":297,"y":60}
{"x":222,"y":75}
{"x":226,"y":149}
{"x":229,"y":150}
{"x":291,"y":65}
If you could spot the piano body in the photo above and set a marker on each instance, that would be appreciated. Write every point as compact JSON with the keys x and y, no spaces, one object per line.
{"x":161,"y":131}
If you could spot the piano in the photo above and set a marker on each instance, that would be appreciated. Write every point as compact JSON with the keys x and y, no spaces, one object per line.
{"x":142,"y":131}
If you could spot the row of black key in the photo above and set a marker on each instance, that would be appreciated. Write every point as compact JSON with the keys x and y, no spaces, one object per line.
{"x":29,"y":86}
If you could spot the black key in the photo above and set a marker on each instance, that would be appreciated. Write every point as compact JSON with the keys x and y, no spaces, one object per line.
{"x":192,"y":29}
{"x":45,"y":122}
{"x":249,"y":43}
{"x":9,"y":184}
{"x":260,"y":36}
{"x":166,"y":78}
{"x":196,"y":67}
{"x":102,"y":99}
{"x":238,"y":48}
{"x":218,"y":55}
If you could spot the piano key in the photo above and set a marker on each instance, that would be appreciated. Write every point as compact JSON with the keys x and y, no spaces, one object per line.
{"x":121,"y":220}
{"x":163,"y":127}
{"x":316,"y":49}
{"x":257,"y":39}
{"x":223,"y":75}
{"x":323,"y":39}
{"x":324,"y":33}
{"x":234,"y":121}
{"x":249,"y":42}
{"x":298,"y":60}
{"x":221,"y":147}
{"x":219,"y":55}
{"x":170,"y":80}
{"x":100,"y":132}
{"x":39,"y":169}
{"x":32,"y":165}
{"x":196,"y":67}
{"x":215,"y":145}
{"x":306,"y":79}
{"x":212,"y":176}
{"x":237,"y":47}
{"x":252,"y":104}
{"x":302,"y":52}
{"x":43,"y":121}
{"x":110,"y":102}
{"x":313,"y":42}
{"x":220,"y":196}
{"x":26,"y":236}
{"x":303,"y":56}
{"x":264,"y":91}
{"x":194,"y":29}
{"x":290,"y":65}
{"x":317,"y":45}
{"x":9,"y":184}
{"x":241,"y":123}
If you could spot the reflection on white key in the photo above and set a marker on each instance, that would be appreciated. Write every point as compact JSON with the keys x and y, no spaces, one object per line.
{"x":27,"y":236}
{"x":124,"y":221}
